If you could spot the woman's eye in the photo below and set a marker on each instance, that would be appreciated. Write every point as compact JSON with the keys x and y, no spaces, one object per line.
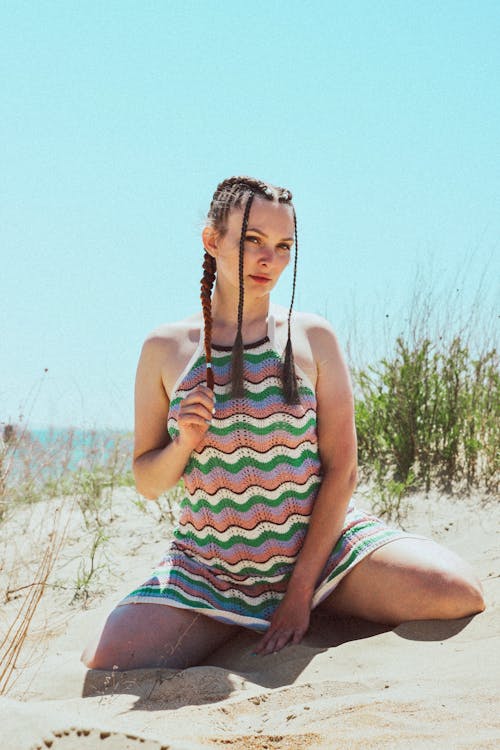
{"x":256,"y":241}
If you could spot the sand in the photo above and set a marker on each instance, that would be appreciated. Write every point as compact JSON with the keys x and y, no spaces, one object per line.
{"x":349,"y":684}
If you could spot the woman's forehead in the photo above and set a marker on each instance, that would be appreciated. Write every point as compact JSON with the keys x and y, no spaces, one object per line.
{"x":266,"y":215}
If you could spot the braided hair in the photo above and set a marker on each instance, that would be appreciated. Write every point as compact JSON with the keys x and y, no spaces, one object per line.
{"x":230,"y":194}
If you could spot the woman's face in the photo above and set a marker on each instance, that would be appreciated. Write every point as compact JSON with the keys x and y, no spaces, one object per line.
{"x":268,"y":242}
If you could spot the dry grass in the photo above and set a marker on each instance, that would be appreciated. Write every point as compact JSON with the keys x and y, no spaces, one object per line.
{"x":16,"y":634}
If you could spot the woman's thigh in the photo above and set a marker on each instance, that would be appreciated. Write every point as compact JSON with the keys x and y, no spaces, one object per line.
{"x":407,"y":579}
{"x":155,"y":635}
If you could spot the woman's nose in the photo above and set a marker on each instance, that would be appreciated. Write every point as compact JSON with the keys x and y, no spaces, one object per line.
{"x":265,"y":254}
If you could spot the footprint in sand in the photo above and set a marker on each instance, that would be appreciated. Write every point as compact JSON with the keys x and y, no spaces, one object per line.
{"x":75,"y":738}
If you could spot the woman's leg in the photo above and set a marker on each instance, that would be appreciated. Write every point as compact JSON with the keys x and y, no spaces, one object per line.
{"x":408,"y":579}
{"x":155,"y":635}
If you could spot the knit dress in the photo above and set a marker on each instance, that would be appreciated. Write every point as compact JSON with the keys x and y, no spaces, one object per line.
{"x":250,"y":489}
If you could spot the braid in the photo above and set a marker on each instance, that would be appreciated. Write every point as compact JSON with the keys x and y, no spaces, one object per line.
{"x":289,"y":376}
{"x":229,"y":195}
{"x":237,"y":390}
{"x":207,"y":282}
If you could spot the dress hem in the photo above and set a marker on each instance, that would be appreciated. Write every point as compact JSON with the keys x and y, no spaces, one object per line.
{"x":257,"y":624}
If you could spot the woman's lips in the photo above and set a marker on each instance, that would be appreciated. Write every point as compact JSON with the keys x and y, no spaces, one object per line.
{"x":260,"y":279}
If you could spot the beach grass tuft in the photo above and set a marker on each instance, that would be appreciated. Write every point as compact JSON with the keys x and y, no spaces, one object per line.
{"x":428,"y":412}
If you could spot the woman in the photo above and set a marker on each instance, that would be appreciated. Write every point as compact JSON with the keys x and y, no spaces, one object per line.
{"x":263,"y":434}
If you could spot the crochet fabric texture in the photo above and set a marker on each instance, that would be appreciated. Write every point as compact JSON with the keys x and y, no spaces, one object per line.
{"x":250,"y":489}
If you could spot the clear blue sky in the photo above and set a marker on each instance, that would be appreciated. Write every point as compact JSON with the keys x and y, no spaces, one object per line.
{"x":119,"y":118}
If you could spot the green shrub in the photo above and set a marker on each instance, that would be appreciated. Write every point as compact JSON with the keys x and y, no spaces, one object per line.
{"x":430,"y":416}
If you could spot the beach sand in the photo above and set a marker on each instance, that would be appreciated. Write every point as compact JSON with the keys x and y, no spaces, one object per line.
{"x":349,"y":684}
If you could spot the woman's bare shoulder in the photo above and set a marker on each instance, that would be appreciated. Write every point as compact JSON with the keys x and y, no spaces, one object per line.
{"x":313,"y":323}
{"x":169,"y":337}
{"x":314,"y":342}
{"x":169,"y":347}
{"x":303,"y":323}
{"x":321,"y":337}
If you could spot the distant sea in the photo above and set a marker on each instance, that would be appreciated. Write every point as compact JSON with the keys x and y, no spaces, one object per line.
{"x":82,"y":440}
{"x":50,"y":451}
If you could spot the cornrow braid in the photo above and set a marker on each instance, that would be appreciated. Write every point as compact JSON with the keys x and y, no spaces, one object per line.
{"x":290,"y":384}
{"x":207,"y":282}
{"x":229,"y":195}
{"x":237,"y":389}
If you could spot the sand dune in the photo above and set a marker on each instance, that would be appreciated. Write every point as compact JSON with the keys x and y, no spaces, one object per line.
{"x":349,"y":684}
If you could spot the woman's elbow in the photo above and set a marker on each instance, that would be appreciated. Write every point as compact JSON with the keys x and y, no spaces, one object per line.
{"x":352,"y":478}
{"x":347,"y":473}
{"x":142,"y":485}
{"x":145,"y":491}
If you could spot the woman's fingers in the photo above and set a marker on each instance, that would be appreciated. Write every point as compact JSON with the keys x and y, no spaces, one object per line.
{"x":289,"y":624}
{"x":275,"y":640}
{"x":198,"y":407}
{"x":276,"y":644}
{"x":195,"y":415}
{"x":201,"y":396}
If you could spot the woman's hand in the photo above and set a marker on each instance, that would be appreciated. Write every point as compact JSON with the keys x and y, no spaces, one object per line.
{"x":195,"y":416}
{"x":288,"y":625}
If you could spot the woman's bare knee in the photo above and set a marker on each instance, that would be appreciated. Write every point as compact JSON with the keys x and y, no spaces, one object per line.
{"x":462,"y":595}
{"x":153,"y":636}
{"x":409,"y":580}
{"x":138,"y":635}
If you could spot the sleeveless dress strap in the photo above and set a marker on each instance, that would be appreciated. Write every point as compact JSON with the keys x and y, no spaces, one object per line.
{"x":200,"y":348}
{"x":277,"y":335}
{"x":271,"y":329}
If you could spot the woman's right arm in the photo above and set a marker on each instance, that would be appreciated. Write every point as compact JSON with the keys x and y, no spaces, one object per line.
{"x":159,"y":462}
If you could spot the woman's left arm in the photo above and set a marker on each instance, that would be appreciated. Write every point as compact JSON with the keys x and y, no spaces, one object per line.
{"x":338,"y":453}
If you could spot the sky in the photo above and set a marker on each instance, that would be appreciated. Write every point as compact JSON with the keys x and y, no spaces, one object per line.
{"x":118,"y":119}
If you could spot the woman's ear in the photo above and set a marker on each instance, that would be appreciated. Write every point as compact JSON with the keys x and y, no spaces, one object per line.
{"x":209,"y":237}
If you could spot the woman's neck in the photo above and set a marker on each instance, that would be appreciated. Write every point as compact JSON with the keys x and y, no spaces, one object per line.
{"x":225,"y":318}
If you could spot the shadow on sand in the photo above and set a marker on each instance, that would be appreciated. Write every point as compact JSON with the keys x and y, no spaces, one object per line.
{"x":431,"y":630}
{"x":234,"y":666}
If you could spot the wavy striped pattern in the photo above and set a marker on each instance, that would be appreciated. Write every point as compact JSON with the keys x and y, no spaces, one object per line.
{"x":250,"y":491}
